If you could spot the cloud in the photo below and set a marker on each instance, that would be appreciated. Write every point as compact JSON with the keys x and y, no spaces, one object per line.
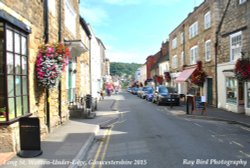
{"x":96,"y":16}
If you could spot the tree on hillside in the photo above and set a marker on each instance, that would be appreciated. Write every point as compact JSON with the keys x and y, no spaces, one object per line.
{"x":120,"y":69}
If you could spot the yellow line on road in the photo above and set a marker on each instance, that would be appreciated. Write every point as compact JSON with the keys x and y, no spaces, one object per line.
{"x":99,"y":148}
{"x":106,"y":146}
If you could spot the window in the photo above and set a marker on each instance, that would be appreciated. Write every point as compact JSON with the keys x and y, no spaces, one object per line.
{"x":235,"y":46}
{"x":231,"y":90}
{"x":14,"y":93}
{"x":242,"y":1}
{"x":208,"y":50}
{"x":174,"y":43}
{"x":194,"y":55}
{"x":193,"y":30}
{"x":207,"y":20}
{"x":175,"y":61}
{"x":182,"y":58}
{"x":52,"y":7}
{"x":70,"y":18}
{"x":182,"y":37}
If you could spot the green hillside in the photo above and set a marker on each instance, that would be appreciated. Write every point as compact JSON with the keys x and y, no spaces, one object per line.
{"x":121,"y":69}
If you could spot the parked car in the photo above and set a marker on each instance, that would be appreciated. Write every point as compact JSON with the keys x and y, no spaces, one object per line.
{"x":149,"y":94}
{"x":141,"y":93}
{"x":164,"y":95}
{"x":129,"y":89}
{"x":135,"y":90}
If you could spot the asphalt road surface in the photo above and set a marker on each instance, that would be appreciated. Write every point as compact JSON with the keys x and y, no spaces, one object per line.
{"x":147,"y":135}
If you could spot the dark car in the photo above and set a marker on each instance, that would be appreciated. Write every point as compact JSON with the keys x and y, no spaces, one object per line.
{"x":149,"y":94}
{"x":164,"y":95}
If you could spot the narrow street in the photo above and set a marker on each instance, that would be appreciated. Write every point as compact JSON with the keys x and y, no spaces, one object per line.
{"x":147,"y":135}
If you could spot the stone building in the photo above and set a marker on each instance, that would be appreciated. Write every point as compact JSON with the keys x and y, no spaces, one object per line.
{"x":24,"y":26}
{"x":194,"y":40}
{"x":233,"y":43}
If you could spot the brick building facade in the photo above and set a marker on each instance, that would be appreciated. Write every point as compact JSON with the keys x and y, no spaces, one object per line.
{"x":194,"y":40}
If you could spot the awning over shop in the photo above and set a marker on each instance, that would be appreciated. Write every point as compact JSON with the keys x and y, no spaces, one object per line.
{"x":185,"y":75}
{"x":76,"y":47}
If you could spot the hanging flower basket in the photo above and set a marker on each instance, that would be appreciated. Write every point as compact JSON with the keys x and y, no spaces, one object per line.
{"x":242,"y":69}
{"x":167,"y":76}
{"x":50,"y":63}
{"x":199,"y":75}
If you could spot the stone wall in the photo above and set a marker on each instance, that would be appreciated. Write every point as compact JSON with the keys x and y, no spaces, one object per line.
{"x":236,"y":19}
{"x":32,"y":15}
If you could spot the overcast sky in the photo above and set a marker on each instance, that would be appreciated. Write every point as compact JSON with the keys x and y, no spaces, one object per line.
{"x":131,"y":30}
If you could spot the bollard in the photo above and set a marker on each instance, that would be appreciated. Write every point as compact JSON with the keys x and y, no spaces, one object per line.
{"x":187,"y":105}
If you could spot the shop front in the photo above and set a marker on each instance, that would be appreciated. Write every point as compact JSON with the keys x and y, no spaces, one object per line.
{"x":230,"y":90}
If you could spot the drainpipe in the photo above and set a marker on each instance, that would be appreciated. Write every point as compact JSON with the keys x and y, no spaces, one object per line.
{"x":46,"y":40}
{"x":59,"y":40}
{"x":90,"y":71}
{"x":216,"y":50}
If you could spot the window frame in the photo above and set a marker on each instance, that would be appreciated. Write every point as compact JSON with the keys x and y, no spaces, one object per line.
{"x":208,"y":51}
{"x":70,"y":16}
{"x":207,"y":20}
{"x":22,"y":54}
{"x":194,"y":54}
{"x":242,"y":1}
{"x":174,"y":43}
{"x":193,"y":30}
{"x":235,"y":90}
{"x":175,"y":62}
{"x":234,"y":58}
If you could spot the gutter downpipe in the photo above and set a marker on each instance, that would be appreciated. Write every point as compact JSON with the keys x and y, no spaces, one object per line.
{"x":90,"y":70}
{"x":46,"y":40}
{"x":59,"y":40}
{"x":216,"y":49}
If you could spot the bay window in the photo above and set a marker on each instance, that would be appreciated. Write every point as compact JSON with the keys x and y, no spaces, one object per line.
{"x":13,"y":73}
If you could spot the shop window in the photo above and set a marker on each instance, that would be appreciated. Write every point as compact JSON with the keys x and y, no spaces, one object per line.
{"x":231,"y":90}
{"x":13,"y":73}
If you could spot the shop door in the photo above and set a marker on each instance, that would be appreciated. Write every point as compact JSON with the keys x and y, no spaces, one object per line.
{"x":209,"y":91}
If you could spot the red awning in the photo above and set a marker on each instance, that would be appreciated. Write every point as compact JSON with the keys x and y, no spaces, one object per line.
{"x":185,"y":75}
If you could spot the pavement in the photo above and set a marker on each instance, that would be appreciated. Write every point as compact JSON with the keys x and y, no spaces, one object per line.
{"x":68,"y":144}
{"x":212,"y":113}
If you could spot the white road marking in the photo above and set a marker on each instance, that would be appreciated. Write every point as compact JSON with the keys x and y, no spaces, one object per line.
{"x":245,"y":154}
{"x":238,"y":144}
{"x":198,"y":124}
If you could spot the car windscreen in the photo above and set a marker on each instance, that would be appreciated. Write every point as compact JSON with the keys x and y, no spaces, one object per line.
{"x":163,"y":90}
{"x":150,"y":91}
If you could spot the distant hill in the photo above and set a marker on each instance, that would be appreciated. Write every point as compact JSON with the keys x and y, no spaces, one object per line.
{"x":121,"y":69}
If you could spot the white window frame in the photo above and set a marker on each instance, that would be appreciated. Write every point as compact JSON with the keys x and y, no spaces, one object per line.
{"x":242,"y":1}
{"x":194,"y":54}
{"x":175,"y":61}
{"x":182,"y":58}
{"x":207,"y":20}
{"x":193,"y":30}
{"x":182,"y":37}
{"x":70,"y":17}
{"x":208,"y":50}
{"x":234,"y":47}
{"x":174,"y":43}
{"x":52,"y":7}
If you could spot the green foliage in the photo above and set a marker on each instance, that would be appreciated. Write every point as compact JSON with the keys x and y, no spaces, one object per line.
{"x":123,"y":69}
